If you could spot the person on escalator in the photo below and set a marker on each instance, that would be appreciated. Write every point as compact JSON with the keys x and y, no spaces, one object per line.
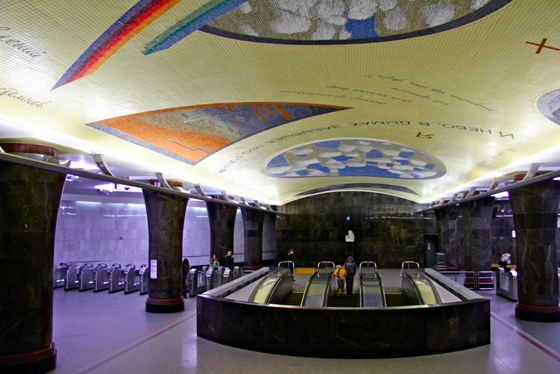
{"x":350,"y":272}
{"x":340,"y":273}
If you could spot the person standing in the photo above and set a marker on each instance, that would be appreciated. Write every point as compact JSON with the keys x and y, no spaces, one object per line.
{"x":185,"y":272}
{"x":214,"y":262}
{"x":228,"y":260}
{"x":292,"y":258}
{"x":350,"y":272}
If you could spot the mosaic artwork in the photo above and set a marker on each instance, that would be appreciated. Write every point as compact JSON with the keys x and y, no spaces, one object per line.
{"x":189,"y":134}
{"x":549,"y":106}
{"x":355,"y":158}
{"x":142,"y":14}
{"x":277,"y":20}
{"x":344,"y":20}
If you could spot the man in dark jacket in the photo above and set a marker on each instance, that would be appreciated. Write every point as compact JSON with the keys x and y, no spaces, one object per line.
{"x":228,"y":261}
{"x":292,"y":258}
{"x":350,"y":272}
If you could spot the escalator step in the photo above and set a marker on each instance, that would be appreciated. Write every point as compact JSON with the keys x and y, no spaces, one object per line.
{"x":293,"y":299}
{"x":396,"y":299}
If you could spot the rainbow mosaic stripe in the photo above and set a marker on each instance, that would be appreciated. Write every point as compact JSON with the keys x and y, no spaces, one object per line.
{"x":192,"y":22}
{"x":131,"y":23}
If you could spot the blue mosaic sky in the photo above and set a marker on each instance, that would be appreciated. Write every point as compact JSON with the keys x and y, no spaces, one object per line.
{"x":354,"y":157}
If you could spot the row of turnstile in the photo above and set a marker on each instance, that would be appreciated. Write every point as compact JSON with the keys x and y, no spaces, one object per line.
{"x":112,"y":278}
{"x":129,"y":279}
{"x":207,"y":278}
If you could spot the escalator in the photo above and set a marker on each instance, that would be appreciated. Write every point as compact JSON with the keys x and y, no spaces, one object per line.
{"x":371,"y":291}
{"x":319,"y":290}
{"x":396,"y":297}
{"x":294,"y":299}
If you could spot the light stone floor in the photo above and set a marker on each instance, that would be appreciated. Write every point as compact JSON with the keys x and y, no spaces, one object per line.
{"x":112,"y":333}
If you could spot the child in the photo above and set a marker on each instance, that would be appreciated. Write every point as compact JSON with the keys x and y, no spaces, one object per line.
{"x":340,"y":272}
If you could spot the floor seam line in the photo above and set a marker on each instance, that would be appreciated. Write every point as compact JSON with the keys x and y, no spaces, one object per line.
{"x":527,"y":337}
{"x":134,"y":345}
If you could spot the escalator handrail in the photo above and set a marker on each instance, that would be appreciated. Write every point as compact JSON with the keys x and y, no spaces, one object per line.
{"x":432,"y":286}
{"x":281,"y":273}
{"x":414,"y":287}
{"x":367,"y":263}
{"x":408,"y":263}
{"x":317,"y":275}
{"x":326,"y":263}
{"x":380,"y":281}
{"x":417,"y":290}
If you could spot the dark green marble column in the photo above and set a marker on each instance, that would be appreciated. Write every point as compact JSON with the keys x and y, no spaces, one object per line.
{"x":535,"y":209}
{"x":166,"y":217}
{"x":29,"y":202}
{"x":447,"y":233}
{"x":253,"y":230}
{"x":477,"y":226}
{"x":222,"y":225}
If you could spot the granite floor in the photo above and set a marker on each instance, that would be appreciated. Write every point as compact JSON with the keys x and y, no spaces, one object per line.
{"x":109,"y":333}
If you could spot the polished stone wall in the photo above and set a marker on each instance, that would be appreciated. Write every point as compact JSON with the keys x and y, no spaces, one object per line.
{"x":29,"y":201}
{"x":269,"y":239}
{"x":385,"y":230}
{"x":502,"y":232}
{"x":344,"y":332}
{"x":477,"y":226}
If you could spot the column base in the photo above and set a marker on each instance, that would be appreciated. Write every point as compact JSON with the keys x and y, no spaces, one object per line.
{"x":165,"y":305}
{"x":39,"y":362}
{"x":537,"y":313}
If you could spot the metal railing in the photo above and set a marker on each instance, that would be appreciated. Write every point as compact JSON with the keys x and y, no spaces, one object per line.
{"x":474,"y":280}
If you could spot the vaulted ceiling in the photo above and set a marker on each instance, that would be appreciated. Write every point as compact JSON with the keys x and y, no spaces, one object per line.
{"x":275,"y":100}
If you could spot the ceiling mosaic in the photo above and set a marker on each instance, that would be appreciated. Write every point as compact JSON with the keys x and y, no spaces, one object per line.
{"x":275,"y":99}
{"x":549,"y":105}
{"x":193,"y":133}
{"x":345,"y":20}
{"x":354,"y":158}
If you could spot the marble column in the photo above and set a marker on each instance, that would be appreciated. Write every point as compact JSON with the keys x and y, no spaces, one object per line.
{"x":166,"y":216}
{"x":448,"y":237}
{"x":535,"y":209}
{"x":477,"y":226}
{"x":222,"y":225}
{"x":29,"y":202}
{"x":253,"y":230}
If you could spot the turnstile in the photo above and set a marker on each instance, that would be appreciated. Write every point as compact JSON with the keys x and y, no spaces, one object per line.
{"x":131,"y":279}
{"x":85,"y":277}
{"x":506,"y":283}
{"x":237,"y":272}
{"x":116,"y":278}
{"x":100,"y":278}
{"x":227,"y":276}
{"x":212,"y":277}
{"x":144,"y":275}
{"x":197,"y":279}
{"x":59,"y":275}
{"x":71,"y":279}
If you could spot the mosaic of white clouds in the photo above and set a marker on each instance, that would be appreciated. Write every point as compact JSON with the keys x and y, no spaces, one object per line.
{"x":354,"y":157}
{"x":341,"y":19}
